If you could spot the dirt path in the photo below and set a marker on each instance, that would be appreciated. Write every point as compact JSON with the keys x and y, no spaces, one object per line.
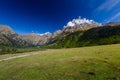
{"x":19,"y":56}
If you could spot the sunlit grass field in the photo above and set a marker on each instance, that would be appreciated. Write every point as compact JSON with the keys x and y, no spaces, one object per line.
{"x":85,"y":63}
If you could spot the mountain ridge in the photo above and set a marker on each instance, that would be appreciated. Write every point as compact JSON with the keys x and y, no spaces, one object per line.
{"x":75,"y":27}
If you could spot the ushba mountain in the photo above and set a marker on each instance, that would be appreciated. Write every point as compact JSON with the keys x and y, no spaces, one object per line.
{"x":8,"y":36}
{"x":78,"y":24}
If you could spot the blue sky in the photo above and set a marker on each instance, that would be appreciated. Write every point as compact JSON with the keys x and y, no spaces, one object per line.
{"x":40,"y":16}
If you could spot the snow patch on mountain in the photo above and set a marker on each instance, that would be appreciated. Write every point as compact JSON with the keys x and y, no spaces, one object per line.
{"x":83,"y":22}
{"x":38,"y":34}
{"x":71,"y":24}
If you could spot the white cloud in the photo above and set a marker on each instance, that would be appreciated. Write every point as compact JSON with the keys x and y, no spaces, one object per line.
{"x":114,"y":17}
{"x":108,"y":5}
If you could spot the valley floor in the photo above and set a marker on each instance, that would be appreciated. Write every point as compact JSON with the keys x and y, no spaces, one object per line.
{"x":14,"y":56}
{"x":86,"y":63}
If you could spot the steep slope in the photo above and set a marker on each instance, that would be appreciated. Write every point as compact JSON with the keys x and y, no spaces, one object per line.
{"x":112,"y":24}
{"x":102,"y":35}
{"x":6,"y":30}
{"x":9,"y":38}
{"x":80,"y":24}
{"x":57,"y":33}
{"x":70,"y":34}
{"x":78,"y":32}
{"x":94,"y":36}
{"x":36,"y":39}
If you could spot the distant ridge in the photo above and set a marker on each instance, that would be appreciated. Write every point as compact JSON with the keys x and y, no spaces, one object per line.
{"x":72,"y":32}
{"x":112,"y":24}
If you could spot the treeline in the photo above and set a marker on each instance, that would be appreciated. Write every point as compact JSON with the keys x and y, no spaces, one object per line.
{"x":6,"y":50}
{"x":95,"y":36}
{"x":14,"y":50}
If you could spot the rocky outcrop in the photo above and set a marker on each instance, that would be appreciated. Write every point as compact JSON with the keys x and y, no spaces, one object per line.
{"x":36,"y":39}
{"x":8,"y":36}
{"x":6,"y":30}
{"x":78,"y":24}
{"x":57,"y":33}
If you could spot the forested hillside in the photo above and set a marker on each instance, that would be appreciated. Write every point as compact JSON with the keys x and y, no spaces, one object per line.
{"x":94,"y":36}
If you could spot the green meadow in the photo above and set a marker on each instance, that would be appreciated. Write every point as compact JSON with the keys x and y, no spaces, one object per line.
{"x":85,"y":63}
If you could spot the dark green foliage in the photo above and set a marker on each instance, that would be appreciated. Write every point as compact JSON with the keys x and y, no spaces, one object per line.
{"x":95,"y":36}
{"x":101,"y":36}
{"x":65,"y":40}
{"x":6,"y":50}
{"x":12,"y":50}
{"x":101,"y":32}
{"x":29,"y":49}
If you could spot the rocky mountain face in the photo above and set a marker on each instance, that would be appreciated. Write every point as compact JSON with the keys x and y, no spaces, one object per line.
{"x":6,"y":30}
{"x":36,"y":39}
{"x":8,"y":36}
{"x":95,"y":36}
{"x":57,"y":33}
{"x":72,"y":26}
{"x":78,"y":24}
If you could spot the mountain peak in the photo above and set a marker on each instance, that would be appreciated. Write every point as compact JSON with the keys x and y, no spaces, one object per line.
{"x":83,"y":22}
{"x":80,"y":24}
{"x":6,"y":30}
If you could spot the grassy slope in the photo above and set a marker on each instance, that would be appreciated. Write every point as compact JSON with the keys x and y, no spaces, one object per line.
{"x":94,"y":36}
{"x":87,"y":63}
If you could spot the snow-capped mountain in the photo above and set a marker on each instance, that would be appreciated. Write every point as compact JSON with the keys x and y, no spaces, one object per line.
{"x":80,"y":24}
{"x":40,"y":39}
{"x":46,"y":33}
{"x":76,"y":25}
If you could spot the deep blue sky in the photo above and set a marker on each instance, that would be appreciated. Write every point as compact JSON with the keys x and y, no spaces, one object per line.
{"x":41,"y":16}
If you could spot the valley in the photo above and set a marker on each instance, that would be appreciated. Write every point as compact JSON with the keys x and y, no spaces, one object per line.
{"x":81,"y":50}
{"x":86,"y":63}
{"x":59,"y":39}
